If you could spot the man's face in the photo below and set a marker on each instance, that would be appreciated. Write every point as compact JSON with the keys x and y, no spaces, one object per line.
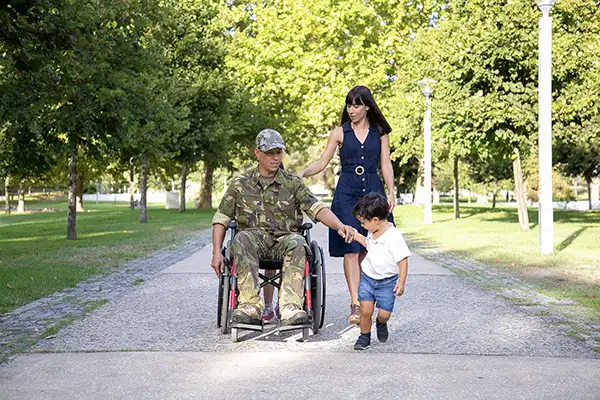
{"x":269,"y":160}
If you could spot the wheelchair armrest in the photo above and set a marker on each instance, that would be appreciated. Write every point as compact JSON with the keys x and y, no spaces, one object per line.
{"x":306,"y":226}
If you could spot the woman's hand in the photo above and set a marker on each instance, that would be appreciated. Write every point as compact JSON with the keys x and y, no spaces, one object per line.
{"x":391,"y":201}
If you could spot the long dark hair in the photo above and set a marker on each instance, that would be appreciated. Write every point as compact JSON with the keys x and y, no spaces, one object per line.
{"x":362,"y":95}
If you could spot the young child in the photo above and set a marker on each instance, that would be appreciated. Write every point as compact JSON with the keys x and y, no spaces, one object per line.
{"x":384,"y":268}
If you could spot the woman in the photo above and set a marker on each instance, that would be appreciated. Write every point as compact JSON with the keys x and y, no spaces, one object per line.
{"x":364,"y":145}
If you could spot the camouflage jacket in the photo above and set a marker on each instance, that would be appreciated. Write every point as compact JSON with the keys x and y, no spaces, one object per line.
{"x":276,"y":208}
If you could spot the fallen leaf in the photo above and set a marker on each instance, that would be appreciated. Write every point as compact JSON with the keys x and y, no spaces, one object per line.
{"x":9,"y":286}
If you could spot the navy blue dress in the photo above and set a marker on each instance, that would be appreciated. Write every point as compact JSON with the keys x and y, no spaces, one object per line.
{"x":356,"y":158}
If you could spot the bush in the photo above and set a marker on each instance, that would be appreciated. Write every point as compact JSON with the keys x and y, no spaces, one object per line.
{"x":561,"y":187}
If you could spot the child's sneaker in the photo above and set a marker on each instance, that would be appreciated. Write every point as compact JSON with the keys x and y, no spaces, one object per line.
{"x":382,"y":330}
{"x":363,"y":342}
{"x":268,"y":315}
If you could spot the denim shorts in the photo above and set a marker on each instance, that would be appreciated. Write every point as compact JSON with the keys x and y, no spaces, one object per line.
{"x":381,"y":291}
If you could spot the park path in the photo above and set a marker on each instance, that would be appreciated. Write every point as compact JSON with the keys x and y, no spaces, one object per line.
{"x":449,"y":339}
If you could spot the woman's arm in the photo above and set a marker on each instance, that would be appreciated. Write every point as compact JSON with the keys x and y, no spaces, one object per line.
{"x":387,"y":170}
{"x":335,"y":139}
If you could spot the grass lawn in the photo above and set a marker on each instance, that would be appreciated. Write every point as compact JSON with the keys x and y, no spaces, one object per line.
{"x":494,"y":237}
{"x":36,"y":259}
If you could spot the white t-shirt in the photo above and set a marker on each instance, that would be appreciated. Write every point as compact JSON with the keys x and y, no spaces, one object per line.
{"x":384,"y":254}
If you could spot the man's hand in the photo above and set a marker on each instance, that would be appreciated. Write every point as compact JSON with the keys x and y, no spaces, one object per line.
{"x":391,"y":201}
{"x":217,"y":262}
{"x":347,"y":232}
{"x":398,"y":289}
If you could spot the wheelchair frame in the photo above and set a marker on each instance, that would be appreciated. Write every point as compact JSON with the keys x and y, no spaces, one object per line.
{"x":314,"y":288}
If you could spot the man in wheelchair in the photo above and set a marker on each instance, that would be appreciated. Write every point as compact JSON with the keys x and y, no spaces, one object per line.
{"x":267,"y":203}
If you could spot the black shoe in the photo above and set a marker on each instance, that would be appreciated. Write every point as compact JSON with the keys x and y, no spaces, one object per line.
{"x":363,"y":342}
{"x":382,"y":331}
{"x":245,"y":315}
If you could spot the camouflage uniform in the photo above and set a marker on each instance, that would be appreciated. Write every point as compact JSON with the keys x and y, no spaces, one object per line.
{"x":269,"y":214}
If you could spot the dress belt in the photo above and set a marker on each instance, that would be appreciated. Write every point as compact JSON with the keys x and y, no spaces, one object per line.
{"x":358,"y":170}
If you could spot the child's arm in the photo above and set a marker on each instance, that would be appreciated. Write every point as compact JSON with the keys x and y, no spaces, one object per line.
{"x":402,"y":272}
{"x":360,"y":239}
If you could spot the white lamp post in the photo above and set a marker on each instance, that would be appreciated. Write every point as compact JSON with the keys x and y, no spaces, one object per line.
{"x":427,"y":89}
{"x":545,"y":209}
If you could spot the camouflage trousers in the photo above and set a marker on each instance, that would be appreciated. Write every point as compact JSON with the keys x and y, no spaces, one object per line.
{"x":250,"y":246}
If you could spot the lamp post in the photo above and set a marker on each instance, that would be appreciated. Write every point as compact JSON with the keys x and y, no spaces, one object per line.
{"x":545,"y":208}
{"x":427,"y":90}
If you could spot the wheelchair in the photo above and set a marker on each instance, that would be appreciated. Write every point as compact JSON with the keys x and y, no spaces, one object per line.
{"x":314,"y":287}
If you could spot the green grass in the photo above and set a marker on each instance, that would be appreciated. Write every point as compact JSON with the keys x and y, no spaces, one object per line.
{"x":91,"y":305}
{"x":494,"y":237}
{"x":36,"y":259}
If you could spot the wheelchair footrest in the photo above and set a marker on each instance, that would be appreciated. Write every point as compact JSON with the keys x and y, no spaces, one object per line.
{"x":284,"y":328}
{"x":249,"y":327}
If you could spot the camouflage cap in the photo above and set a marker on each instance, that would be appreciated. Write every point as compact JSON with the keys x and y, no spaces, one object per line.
{"x":268,"y":139}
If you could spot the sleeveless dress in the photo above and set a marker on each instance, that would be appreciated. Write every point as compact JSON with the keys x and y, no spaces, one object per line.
{"x":355,"y":158}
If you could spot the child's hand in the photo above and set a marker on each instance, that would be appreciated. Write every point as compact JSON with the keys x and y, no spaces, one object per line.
{"x":398,"y":289}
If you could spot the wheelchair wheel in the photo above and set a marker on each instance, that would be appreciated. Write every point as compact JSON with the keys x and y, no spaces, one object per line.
{"x":317,"y":286}
{"x":224,"y":303}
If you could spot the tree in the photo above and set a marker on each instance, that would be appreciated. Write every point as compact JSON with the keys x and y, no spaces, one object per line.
{"x":577,"y":88}
{"x":302,"y":75}
{"x":486,"y":101}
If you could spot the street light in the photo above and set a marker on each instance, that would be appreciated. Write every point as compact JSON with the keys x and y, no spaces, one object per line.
{"x":427,"y":89}
{"x":545,"y":206}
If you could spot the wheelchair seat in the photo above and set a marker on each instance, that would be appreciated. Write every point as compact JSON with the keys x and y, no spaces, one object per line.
{"x":270,"y":264}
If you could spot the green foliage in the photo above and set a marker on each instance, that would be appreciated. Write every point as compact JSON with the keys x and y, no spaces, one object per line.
{"x":302,"y":74}
{"x":195,"y":80}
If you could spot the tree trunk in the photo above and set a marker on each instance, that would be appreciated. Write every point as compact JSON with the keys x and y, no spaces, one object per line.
{"x":520,"y":191}
{"x":495,"y":194}
{"x":588,"y":181}
{"x":72,"y":213}
{"x":79,"y":193}
{"x":21,"y":198}
{"x":456,"y":190}
{"x":7,"y":194}
{"x":143,"y":191}
{"x":184,"y":172}
{"x":131,"y":185}
{"x":207,"y":184}
{"x":595,"y":190}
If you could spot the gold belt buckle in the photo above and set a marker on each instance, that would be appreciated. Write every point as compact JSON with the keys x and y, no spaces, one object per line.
{"x":359,"y":170}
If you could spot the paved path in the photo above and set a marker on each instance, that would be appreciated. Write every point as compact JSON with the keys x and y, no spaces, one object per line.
{"x":448,"y":340}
